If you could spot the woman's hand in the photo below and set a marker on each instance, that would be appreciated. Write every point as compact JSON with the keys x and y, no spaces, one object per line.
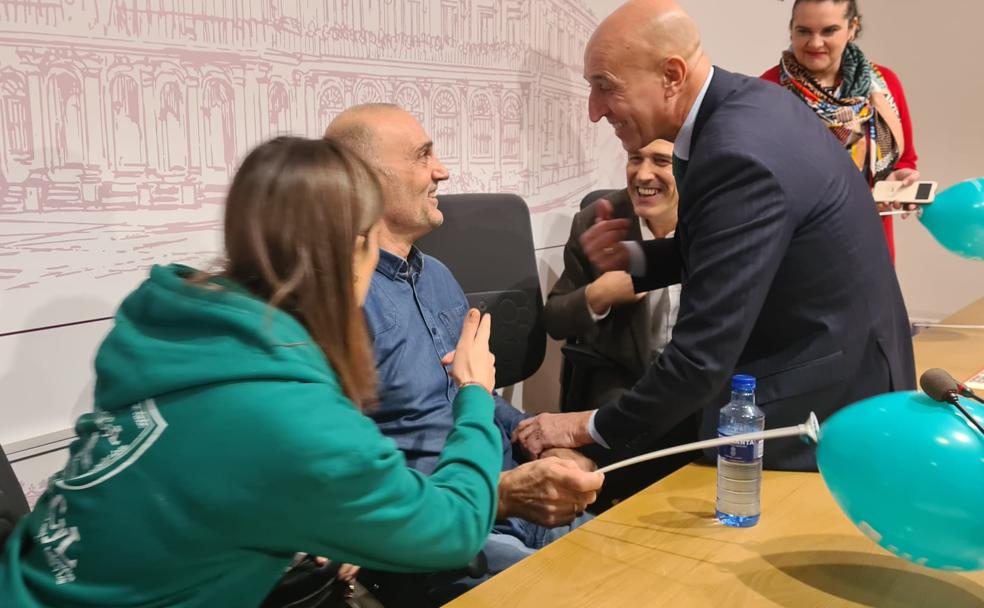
{"x":907,"y":177}
{"x":471,"y":361}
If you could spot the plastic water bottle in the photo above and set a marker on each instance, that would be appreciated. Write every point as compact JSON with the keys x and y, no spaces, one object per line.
{"x":739,"y":466}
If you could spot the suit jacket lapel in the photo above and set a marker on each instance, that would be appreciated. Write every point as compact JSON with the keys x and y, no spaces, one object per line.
{"x":723,"y":83}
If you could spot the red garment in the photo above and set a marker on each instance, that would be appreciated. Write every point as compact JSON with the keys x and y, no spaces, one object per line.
{"x":908,"y":158}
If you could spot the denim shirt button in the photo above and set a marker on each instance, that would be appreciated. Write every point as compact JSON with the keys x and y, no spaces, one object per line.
{"x":433,"y":331}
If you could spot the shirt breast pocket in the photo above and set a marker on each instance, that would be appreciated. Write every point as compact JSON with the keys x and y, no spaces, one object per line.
{"x":452,"y":318}
{"x":380,"y":312}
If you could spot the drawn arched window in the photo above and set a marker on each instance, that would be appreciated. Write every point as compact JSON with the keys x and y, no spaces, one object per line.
{"x":512,"y":127}
{"x":409,"y":99}
{"x":65,"y":101}
{"x":15,"y":114}
{"x":220,"y":132}
{"x":451,"y":19}
{"x":446,"y":119}
{"x":480,"y":119}
{"x":127,"y":135}
{"x":570,"y":122}
{"x":330,"y":104}
{"x":368,"y":92}
{"x":279,"y":108}
{"x":171,"y":126}
{"x":413,"y":17}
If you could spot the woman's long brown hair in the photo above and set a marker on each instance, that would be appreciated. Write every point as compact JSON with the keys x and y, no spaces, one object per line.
{"x":292,"y":216}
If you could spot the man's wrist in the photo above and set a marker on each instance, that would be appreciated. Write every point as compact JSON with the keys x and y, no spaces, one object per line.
{"x":591,"y":295}
{"x":502,"y":509}
{"x":594,"y":304}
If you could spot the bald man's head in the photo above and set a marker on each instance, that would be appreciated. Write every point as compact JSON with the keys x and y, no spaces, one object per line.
{"x":396,"y":145}
{"x":645,"y":66}
{"x":354,"y":128}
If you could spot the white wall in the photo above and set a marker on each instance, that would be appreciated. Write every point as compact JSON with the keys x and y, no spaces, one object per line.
{"x":935,"y":50}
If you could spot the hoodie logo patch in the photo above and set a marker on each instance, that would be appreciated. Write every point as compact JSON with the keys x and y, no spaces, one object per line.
{"x":110,"y":442}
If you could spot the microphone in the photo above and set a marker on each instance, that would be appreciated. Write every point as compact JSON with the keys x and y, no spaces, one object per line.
{"x":940,"y":378}
{"x":941,"y":386}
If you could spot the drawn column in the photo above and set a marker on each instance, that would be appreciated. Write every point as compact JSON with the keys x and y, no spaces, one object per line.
{"x":195,"y":135}
{"x":464,"y":129}
{"x":39,"y":159}
{"x":93,"y":131}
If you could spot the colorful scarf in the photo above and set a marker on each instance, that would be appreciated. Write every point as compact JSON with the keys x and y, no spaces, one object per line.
{"x":855,"y":111}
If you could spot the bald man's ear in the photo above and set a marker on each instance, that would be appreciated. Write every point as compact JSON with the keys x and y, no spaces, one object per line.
{"x":674,"y":75}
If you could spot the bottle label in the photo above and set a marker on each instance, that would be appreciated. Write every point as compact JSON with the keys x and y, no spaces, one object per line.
{"x":742,"y":451}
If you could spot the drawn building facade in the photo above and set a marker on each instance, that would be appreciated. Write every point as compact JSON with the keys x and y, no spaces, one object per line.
{"x":126,"y":105}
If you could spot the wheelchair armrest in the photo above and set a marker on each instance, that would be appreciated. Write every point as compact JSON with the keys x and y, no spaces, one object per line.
{"x":478,"y":566}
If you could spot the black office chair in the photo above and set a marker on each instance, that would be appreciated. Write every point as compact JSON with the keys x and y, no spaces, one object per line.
{"x":487,"y":243}
{"x":579,"y":356}
{"x":13,"y":504}
{"x":594,"y":195}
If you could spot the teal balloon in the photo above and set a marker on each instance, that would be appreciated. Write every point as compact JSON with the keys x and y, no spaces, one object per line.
{"x":909,"y":472}
{"x":956,"y":218}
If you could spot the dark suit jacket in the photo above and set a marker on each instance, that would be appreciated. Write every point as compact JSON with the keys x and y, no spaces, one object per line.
{"x":786,"y":276}
{"x":620,"y":340}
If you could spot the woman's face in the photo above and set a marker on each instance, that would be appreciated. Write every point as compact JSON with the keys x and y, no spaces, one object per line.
{"x":364,"y":260}
{"x":819,"y":33}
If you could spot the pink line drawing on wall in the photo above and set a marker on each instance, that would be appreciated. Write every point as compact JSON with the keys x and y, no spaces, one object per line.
{"x":121,"y":122}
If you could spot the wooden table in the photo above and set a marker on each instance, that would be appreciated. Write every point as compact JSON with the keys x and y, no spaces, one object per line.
{"x":663,"y":547}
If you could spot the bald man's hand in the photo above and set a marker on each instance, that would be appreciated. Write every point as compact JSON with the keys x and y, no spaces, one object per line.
{"x":550,"y":492}
{"x":602,"y":242}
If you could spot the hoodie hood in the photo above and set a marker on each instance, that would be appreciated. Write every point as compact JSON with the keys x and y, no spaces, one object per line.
{"x":170,"y":335}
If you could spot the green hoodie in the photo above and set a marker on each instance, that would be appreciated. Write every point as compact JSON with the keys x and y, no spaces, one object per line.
{"x":221,"y":444}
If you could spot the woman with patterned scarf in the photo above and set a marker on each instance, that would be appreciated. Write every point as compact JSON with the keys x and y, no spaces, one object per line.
{"x":862,"y":103}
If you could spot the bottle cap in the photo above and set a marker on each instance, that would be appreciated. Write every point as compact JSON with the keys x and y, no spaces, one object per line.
{"x":742,"y":382}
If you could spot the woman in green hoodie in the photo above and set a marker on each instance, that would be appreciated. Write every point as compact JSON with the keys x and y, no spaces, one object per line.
{"x":227,"y":434}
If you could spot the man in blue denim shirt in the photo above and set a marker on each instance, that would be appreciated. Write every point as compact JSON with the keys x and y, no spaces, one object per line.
{"x":415,"y":309}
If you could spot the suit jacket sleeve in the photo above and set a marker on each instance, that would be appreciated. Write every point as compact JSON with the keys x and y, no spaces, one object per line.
{"x":736,"y":231}
{"x":565,"y":315}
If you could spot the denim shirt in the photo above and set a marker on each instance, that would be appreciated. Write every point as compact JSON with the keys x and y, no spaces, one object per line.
{"x":414,"y":310}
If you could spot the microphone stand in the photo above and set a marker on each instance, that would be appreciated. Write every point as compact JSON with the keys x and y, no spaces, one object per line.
{"x":807,"y":430}
{"x":952,"y":398}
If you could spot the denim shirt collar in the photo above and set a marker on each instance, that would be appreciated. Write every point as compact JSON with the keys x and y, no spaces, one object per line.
{"x":394,"y":267}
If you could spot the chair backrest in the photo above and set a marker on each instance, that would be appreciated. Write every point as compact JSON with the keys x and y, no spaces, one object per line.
{"x":13,"y":504}
{"x":594,"y":195}
{"x":487,"y":243}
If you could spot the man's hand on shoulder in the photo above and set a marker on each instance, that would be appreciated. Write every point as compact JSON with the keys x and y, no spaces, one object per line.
{"x":550,"y":492}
